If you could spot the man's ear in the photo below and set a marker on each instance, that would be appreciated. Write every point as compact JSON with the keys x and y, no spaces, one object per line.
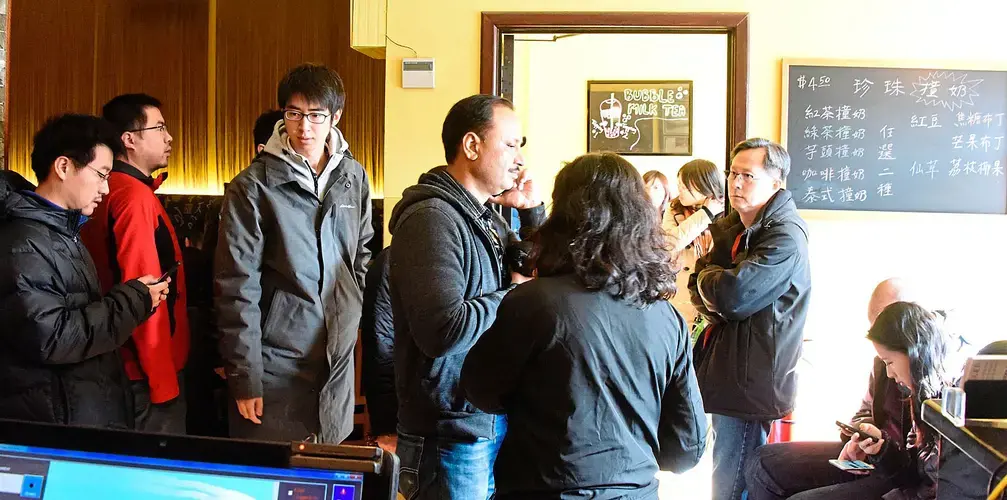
{"x":336,"y":116}
{"x":128,"y":141}
{"x":61,"y":167}
{"x":470,"y":145}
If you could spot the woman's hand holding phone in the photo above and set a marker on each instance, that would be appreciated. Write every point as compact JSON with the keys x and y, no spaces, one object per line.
{"x":865,"y":440}
{"x":852,"y":451}
{"x":871,"y":446}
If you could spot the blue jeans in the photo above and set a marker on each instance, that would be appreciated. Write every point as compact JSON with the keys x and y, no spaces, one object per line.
{"x":734,"y":443}
{"x":444,"y":469}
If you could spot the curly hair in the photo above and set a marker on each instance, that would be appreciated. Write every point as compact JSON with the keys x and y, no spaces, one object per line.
{"x":604,"y":229}
{"x":911,"y":329}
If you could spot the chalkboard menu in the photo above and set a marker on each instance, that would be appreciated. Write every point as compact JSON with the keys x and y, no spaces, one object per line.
{"x":640,"y":117}
{"x":896,"y":139}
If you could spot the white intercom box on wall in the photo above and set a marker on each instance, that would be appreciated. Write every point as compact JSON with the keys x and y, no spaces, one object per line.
{"x":418,"y":73}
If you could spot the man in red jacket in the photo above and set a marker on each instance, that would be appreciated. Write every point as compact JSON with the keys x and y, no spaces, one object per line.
{"x":131,"y":235}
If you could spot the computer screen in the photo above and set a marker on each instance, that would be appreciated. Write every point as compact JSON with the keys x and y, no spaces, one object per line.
{"x":29,"y":472}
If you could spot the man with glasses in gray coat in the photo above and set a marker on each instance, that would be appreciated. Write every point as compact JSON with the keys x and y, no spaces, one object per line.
{"x":289,"y":270}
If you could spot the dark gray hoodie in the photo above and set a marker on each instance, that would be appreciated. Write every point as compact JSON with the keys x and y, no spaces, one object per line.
{"x":447,"y":279}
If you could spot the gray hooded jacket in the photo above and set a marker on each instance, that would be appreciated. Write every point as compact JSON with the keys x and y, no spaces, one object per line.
{"x":447,"y":280}
{"x":289,"y":272}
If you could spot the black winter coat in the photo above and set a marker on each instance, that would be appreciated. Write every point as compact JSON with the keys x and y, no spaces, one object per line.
{"x":377,"y":336}
{"x":59,"y":337}
{"x":757,"y":301}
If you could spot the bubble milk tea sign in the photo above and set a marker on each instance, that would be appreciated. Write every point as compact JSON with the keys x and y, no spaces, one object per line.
{"x":640,"y":117}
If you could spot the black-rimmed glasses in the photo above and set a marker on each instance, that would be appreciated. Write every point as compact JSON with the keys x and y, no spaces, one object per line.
{"x":313,"y":117}
{"x":101,"y":175}
{"x":159,"y":127}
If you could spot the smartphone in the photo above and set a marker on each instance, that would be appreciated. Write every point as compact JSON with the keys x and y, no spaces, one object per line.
{"x":170,"y":272}
{"x":853,"y":430}
{"x":852,"y":465}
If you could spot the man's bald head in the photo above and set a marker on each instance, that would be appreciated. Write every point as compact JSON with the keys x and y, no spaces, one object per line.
{"x":887,"y":292}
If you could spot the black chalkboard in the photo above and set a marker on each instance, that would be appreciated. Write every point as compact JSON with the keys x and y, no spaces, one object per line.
{"x":896,"y":139}
{"x":640,"y":117}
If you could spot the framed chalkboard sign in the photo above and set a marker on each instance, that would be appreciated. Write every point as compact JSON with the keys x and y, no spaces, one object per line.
{"x":876,"y":137}
{"x":640,"y":117}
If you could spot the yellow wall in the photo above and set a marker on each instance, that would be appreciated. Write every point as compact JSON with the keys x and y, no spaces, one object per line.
{"x":960,"y":256}
{"x":550,"y":93}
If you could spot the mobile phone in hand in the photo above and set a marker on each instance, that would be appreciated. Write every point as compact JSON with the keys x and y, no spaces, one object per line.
{"x":170,"y":272}
{"x":853,"y":430}
{"x":852,"y":465}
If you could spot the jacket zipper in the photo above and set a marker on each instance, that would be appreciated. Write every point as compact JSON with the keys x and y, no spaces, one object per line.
{"x":486,"y":225}
{"x":64,"y":412}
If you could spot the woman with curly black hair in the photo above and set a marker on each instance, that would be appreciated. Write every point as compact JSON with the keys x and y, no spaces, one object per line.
{"x":589,"y":361}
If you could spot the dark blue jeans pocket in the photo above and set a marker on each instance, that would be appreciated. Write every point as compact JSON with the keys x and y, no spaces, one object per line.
{"x":410,"y":452}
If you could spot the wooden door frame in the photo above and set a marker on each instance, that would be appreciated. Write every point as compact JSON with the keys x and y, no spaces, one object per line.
{"x":733,"y":24}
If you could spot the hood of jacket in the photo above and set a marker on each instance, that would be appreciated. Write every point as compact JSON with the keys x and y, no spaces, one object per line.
{"x":438,"y":183}
{"x":26,"y":205}
{"x":279,"y":146}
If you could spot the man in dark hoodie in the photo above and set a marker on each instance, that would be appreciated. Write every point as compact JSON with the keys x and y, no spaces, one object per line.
{"x":447,"y":279}
{"x":58,"y":346}
{"x":754,"y":288}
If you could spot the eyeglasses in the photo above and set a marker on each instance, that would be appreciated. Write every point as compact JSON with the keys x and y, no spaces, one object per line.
{"x":745,"y":176}
{"x":313,"y":117}
{"x":159,"y":127}
{"x":101,"y":175}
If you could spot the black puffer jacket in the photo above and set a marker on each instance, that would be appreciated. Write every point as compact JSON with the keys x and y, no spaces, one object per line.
{"x":58,"y":342}
{"x":757,"y":301}
{"x":377,"y":334}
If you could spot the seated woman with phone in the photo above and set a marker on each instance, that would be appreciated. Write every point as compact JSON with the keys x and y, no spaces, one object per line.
{"x":875,"y":464}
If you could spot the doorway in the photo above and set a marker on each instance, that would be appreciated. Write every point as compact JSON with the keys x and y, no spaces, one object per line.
{"x":498,"y":49}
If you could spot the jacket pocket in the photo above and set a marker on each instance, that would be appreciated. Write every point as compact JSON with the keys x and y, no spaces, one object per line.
{"x":347,"y":275}
{"x":761,"y":355}
{"x":441,"y":385}
{"x":270,"y":313}
{"x":745,"y":355}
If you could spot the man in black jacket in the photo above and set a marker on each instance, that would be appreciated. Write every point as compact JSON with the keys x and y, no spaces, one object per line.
{"x":377,"y":336}
{"x":754,"y":288}
{"x":58,"y":347}
{"x":447,"y":280}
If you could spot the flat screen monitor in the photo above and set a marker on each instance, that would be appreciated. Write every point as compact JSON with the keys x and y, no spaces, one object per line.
{"x":57,"y":463}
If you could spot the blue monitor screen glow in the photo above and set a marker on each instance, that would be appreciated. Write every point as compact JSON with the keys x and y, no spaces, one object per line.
{"x":51,"y":474}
